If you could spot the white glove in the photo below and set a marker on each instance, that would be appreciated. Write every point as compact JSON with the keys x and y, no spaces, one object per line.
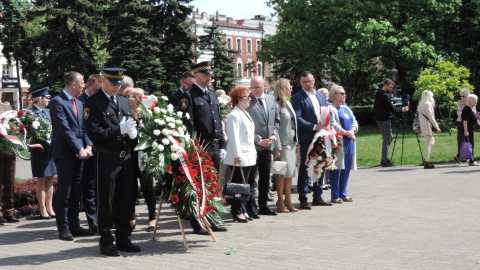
{"x":222,"y":154}
{"x":126,"y":125}
{"x":132,"y":132}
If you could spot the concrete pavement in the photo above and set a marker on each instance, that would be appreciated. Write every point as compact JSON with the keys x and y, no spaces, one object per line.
{"x":401,"y":218}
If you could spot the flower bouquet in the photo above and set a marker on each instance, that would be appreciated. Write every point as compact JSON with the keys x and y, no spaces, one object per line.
{"x":225,"y":105}
{"x":38,"y":128}
{"x":12,"y":128}
{"x":183,"y":169}
{"x":324,"y":149}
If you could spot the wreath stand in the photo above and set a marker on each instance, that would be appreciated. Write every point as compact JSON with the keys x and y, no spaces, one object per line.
{"x":181,"y":225}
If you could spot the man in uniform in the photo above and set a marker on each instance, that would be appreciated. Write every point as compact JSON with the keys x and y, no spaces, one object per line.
{"x":186,"y":82}
{"x":109,"y":124}
{"x":202,"y":106}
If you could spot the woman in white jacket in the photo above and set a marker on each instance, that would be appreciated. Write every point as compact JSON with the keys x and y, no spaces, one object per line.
{"x":240,"y":146}
{"x":427,"y":122}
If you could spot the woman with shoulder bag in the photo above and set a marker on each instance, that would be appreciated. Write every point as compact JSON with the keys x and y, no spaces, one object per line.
{"x":426,"y":116}
{"x":469,"y":119}
{"x":241,"y":153}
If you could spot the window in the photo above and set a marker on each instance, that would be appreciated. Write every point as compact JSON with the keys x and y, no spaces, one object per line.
{"x":239,"y":70}
{"x":249,"y":46}
{"x":229,"y":43}
{"x":259,"y":46}
{"x":5,"y":71}
{"x":259,"y":70}
{"x":239,"y":45}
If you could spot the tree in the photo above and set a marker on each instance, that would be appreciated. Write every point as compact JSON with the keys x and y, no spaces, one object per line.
{"x":224,"y":75}
{"x":176,"y":53}
{"x":53,"y":37}
{"x":133,"y":45}
{"x":335,"y":37}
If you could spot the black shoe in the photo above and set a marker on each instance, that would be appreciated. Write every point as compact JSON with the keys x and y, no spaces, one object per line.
{"x":109,"y":250}
{"x":93,"y":228}
{"x":82,"y":232}
{"x":388,"y":164}
{"x":65,"y":235}
{"x":240,"y":220}
{"x":11,"y":219}
{"x":2,"y":220}
{"x":45,"y":217}
{"x":197,"y":229}
{"x":428,"y":165}
{"x":150,"y":229}
{"x":253,"y":215}
{"x":218,"y":227}
{"x":266,"y":211}
{"x":128,"y":247}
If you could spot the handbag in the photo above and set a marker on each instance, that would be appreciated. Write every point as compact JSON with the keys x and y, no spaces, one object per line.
{"x":416,"y":124}
{"x":466,"y":150}
{"x":279,"y":167}
{"x":236,"y":191}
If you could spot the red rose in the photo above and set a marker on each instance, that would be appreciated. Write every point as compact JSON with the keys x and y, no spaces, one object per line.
{"x":174,"y":198}
{"x":178,"y":179}
{"x":12,"y":127}
{"x":22,"y":127}
{"x":169,"y":169}
{"x":20,"y":112}
{"x":197,"y":142}
{"x":211,"y":189}
{"x":336,"y":147}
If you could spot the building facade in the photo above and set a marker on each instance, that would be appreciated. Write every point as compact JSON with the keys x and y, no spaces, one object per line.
{"x":10,"y":84}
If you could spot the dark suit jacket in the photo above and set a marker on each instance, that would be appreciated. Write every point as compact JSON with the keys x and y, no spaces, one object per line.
{"x":68,"y":135}
{"x":264,"y":128}
{"x":204,"y":112}
{"x":306,"y":117}
{"x":83,"y":97}
{"x":102,"y":121}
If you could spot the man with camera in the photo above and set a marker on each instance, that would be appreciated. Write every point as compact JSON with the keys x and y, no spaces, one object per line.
{"x":384,"y":110}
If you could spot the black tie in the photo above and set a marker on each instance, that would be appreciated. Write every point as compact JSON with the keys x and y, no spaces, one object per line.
{"x":113,"y":100}
{"x":260,"y":100}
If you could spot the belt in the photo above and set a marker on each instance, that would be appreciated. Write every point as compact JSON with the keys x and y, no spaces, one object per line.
{"x":112,"y":152}
{"x":215,"y":142}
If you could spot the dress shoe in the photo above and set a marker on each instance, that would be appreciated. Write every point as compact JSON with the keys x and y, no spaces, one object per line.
{"x":253,"y":215}
{"x":305,"y":206}
{"x":93,"y":228}
{"x":457,"y":159}
{"x":11,"y":219}
{"x":267,"y":212}
{"x":240,"y":220}
{"x":347,"y":199}
{"x":388,"y":164}
{"x":81,"y":232}
{"x":2,"y":220}
{"x":218,"y":227}
{"x":337,"y":201}
{"x":322,"y":203}
{"x":128,"y":247}
{"x":109,"y":250}
{"x":65,"y":235}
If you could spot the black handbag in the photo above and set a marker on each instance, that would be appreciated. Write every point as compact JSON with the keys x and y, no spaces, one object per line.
{"x":236,"y":191}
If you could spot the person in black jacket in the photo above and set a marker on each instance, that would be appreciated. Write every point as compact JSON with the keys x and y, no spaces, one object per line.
{"x":383,"y":110}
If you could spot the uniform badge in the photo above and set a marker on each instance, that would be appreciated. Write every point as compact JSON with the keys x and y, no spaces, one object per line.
{"x":86,"y":113}
{"x":184,"y":103}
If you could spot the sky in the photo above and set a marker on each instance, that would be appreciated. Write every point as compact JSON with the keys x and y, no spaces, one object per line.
{"x":237,"y":9}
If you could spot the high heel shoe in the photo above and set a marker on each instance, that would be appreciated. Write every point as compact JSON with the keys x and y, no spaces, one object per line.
{"x":282,"y":210}
{"x":291,"y":208}
{"x":241,"y":220}
{"x":52,"y":216}
{"x":249,"y":218}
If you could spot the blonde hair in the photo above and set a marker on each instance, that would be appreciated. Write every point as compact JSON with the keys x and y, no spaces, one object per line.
{"x":471,"y":97}
{"x":279,"y":92}
{"x":35,"y":100}
{"x":427,"y":96}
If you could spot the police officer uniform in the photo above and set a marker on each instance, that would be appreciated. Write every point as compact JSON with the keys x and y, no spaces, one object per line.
{"x":205,"y":120}
{"x":113,"y":164}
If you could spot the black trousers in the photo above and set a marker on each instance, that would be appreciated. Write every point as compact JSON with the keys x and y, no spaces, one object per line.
{"x":264,"y":161}
{"x":114,"y":176}
{"x":88,"y":190}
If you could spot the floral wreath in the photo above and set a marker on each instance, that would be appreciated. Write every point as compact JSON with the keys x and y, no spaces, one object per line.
{"x":325,"y":146}
{"x":23,"y":124}
{"x":184,"y":171}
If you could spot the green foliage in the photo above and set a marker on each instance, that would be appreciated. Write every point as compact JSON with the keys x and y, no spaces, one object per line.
{"x":223,"y":67}
{"x":445,"y":80}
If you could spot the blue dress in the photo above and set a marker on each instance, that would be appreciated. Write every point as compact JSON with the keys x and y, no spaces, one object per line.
{"x":42,"y":162}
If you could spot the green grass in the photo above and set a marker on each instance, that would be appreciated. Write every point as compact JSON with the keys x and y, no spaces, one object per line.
{"x":369,"y":147}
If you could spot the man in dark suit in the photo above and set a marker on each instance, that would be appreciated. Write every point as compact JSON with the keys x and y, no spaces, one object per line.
{"x":70,"y":146}
{"x":109,"y":124}
{"x":93,"y":85}
{"x":306,"y":104}
{"x":264,"y":114}
{"x":205,"y":121}
{"x":186,"y":82}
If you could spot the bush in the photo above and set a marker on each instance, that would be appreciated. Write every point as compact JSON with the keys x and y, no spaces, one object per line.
{"x":25,"y":197}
